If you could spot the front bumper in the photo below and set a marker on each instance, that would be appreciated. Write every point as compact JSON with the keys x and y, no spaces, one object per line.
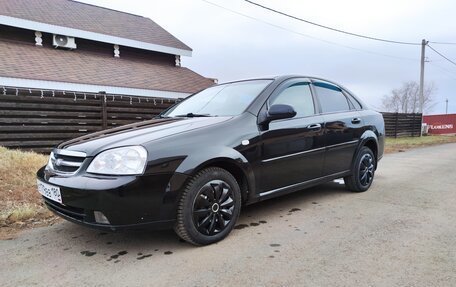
{"x":128,"y":202}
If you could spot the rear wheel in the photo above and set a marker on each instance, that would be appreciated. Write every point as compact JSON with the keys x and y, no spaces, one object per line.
{"x":208,"y":207}
{"x":362,"y":172}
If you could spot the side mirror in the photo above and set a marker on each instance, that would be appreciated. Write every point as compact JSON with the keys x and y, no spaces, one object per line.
{"x":277,"y":112}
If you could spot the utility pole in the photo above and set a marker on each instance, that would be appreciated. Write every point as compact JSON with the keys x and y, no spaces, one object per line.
{"x":446,"y":107}
{"x":423,"y":50}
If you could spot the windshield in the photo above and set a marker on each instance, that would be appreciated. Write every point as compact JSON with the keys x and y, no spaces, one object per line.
{"x":222,"y":100}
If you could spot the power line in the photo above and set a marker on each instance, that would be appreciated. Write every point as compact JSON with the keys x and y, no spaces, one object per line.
{"x":443,"y":43}
{"x":308,"y":36}
{"x":331,"y":28}
{"x":441,"y":55}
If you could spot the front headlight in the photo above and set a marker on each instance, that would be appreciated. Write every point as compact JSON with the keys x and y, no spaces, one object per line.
{"x":130,"y":160}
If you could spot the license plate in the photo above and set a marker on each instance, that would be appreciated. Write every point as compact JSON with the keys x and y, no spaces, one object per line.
{"x":50,"y":191}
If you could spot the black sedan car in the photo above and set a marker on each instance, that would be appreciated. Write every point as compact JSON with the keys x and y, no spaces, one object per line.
{"x":195,"y":165}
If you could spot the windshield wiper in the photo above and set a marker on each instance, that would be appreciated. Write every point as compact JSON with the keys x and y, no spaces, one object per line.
{"x":192,"y":115}
{"x":162,"y":117}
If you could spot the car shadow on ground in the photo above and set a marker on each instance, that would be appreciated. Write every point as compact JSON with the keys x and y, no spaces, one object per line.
{"x":112,"y":246}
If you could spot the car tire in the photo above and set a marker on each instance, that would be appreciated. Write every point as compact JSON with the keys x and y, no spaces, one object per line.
{"x":363,"y":171}
{"x":208,"y":207}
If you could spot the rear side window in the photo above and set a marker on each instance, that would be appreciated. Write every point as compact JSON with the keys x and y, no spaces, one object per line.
{"x":299,"y":97}
{"x":331,"y":98}
{"x":354,"y":102}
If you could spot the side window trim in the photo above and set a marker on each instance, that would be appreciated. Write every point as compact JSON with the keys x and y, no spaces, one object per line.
{"x":315,"y":82}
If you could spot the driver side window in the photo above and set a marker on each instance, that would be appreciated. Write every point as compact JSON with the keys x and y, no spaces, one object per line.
{"x":299,"y":97}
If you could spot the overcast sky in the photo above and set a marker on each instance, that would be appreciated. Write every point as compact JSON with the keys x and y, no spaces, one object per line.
{"x":229,"y":46}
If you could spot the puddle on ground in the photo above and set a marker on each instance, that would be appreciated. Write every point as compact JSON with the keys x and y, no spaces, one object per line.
{"x":241,"y":226}
{"x":88,"y":253}
{"x":115,"y":256}
{"x":143,"y":256}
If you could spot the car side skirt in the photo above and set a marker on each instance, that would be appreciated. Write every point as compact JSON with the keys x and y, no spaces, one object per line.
{"x":298,"y":186}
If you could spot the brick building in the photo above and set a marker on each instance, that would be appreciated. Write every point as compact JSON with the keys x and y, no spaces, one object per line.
{"x":72,"y":46}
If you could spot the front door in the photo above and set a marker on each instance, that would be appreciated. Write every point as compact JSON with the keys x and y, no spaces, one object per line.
{"x":292,"y":149}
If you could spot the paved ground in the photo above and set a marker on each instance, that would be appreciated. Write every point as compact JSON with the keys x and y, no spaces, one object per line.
{"x":402,"y":232}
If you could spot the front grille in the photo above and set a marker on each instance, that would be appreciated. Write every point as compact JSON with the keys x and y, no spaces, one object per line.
{"x":65,"y":161}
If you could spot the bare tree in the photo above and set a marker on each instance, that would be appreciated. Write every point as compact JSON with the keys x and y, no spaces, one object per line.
{"x":406,"y":99}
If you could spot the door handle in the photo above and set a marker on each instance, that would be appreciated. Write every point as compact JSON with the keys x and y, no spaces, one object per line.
{"x":314,"y":127}
{"x":356,"y":121}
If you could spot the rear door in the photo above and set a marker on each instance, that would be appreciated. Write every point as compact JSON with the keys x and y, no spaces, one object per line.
{"x":292,"y":149}
{"x":342,"y":127}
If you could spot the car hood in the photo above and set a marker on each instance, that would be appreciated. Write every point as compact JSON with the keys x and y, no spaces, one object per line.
{"x":137,"y":133}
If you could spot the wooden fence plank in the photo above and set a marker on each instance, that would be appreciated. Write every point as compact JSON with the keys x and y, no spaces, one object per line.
{"x":38,"y":135}
{"x":47,"y":121}
{"x":26,"y":143}
{"x":45,"y":106}
{"x":36,"y":99}
{"x":48,"y":128}
{"x":41,"y":113}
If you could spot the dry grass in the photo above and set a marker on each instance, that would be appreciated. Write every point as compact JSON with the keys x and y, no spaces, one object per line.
{"x":20,"y":205}
{"x":402,"y":144}
{"x":17,"y":174}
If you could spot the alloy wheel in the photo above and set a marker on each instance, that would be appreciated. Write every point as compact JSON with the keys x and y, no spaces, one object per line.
{"x":213,"y":207}
{"x":366,"y":169}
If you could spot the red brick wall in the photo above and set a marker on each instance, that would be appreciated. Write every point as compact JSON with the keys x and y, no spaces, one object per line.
{"x":441,"y":124}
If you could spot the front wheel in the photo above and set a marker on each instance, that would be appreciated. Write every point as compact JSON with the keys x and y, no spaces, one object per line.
{"x":362,"y":172}
{"x":209,"y":207}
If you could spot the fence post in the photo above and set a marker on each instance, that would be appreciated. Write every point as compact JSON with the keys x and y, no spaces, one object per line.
{"x":413,"y":125}
{"x":395,"y":125}
{"x":104,"y":112}
{"x":421,"y":124}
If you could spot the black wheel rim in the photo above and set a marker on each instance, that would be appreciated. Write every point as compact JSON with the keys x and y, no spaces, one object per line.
{"x":366,"y":170}
{"x":213,"y":207}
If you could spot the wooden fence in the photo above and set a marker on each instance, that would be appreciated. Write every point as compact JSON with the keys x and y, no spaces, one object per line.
{"x":38,"y":120}
{"x":402,"y":125}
